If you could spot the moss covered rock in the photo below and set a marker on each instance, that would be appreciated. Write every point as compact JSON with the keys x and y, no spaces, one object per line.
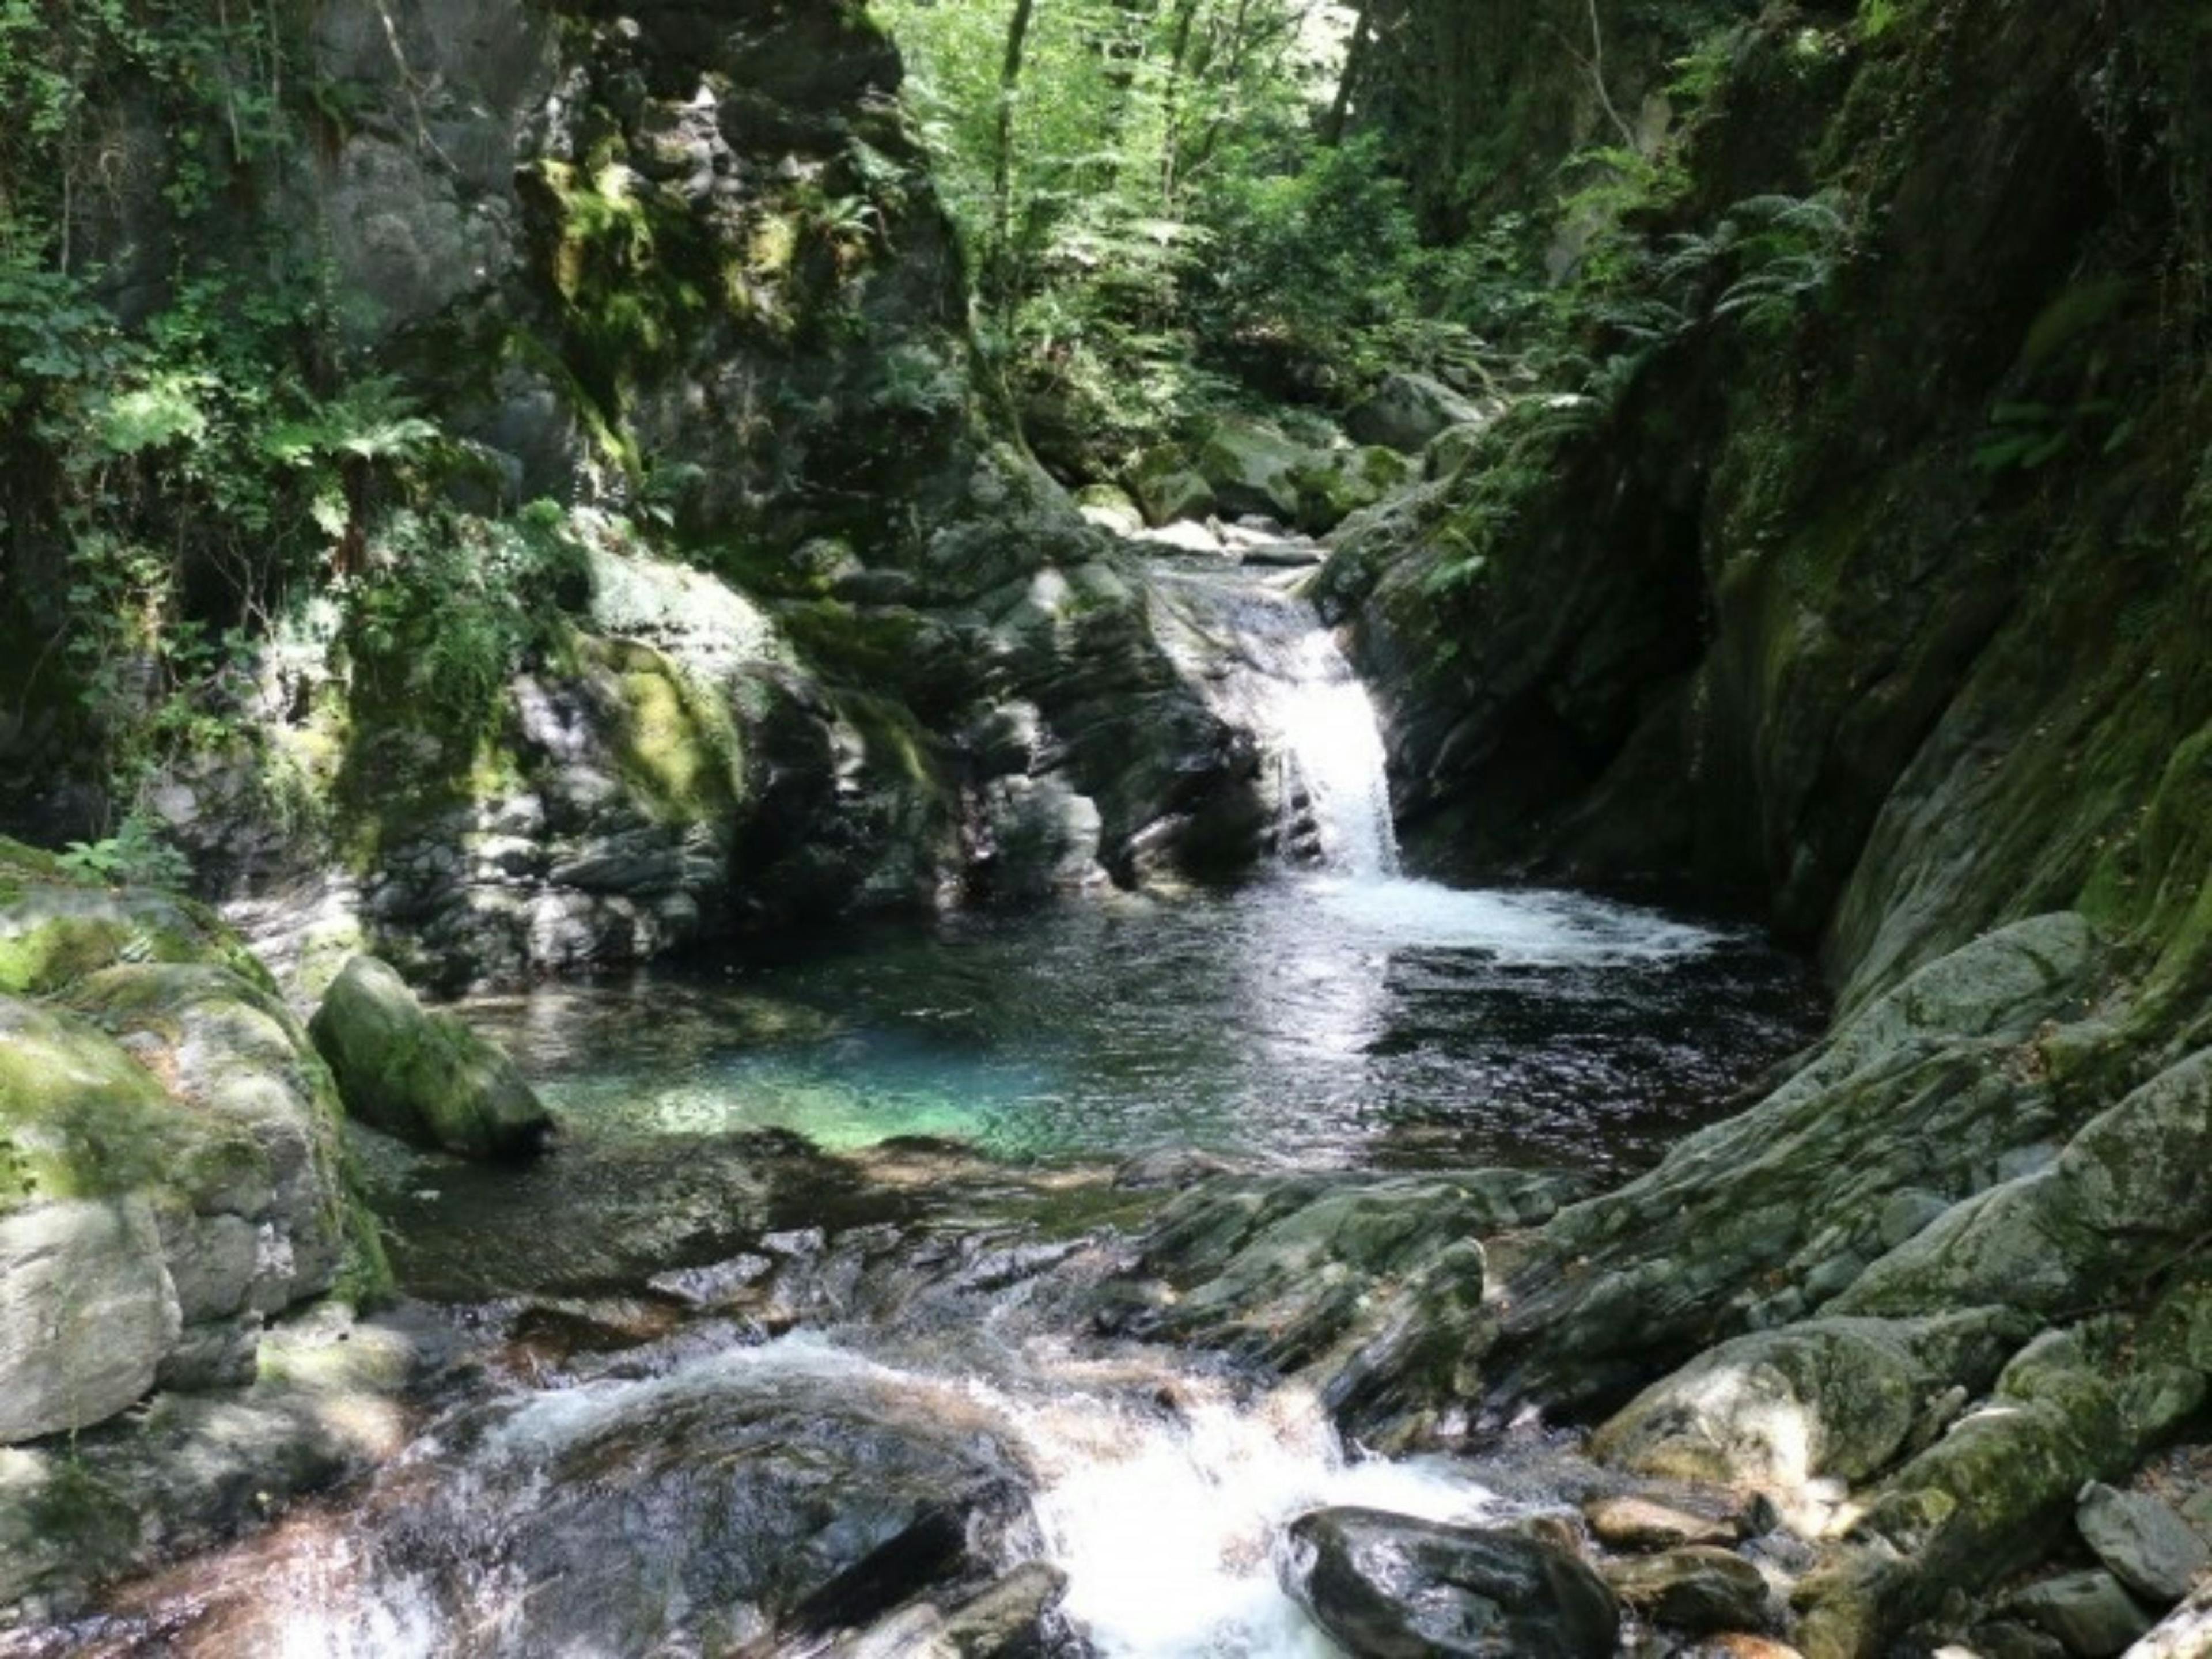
{"x":1836,"y":1399}
{"x":170,"y":1176}
{"x":424,"y":1077}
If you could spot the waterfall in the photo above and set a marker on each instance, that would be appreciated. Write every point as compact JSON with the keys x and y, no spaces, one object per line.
{"x":1331,"y":752}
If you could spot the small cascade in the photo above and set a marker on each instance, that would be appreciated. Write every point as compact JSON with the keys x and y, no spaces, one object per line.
{"x":1332,"y":755}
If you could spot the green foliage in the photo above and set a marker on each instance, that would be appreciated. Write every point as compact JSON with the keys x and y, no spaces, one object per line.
{"x":1176,"y":222}
{"x":178,"y":481}
{"x":136,"y":855}
{"x":453,"y":606}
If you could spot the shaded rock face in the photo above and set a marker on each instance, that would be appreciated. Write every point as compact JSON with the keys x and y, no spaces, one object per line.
{"x":425,"y":1078}
{"x":1388,"y":1586}
{"x":171,"y":1174}
{"x":1766,"y":622}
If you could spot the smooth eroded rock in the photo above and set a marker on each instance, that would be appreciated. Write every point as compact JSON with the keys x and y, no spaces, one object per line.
{"x":1389,"y":1587}
{"x":2143,"y":1542}
{"x":423,"y":1077}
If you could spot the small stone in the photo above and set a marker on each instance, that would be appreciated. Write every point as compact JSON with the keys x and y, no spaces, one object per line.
{"x":2092,"y":1613}
{"x":1696,"y":1590}
{"x":1638,"y":1523}
{"x":2147,"y":1547}
{"x":713,"y":1284}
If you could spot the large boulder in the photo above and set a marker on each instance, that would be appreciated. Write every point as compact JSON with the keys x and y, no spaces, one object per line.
{"x":1407,"y":411}
{"x":1836,"y":1398}
{"x":1251,"y":467}
{"x":171,"y":1172}
{"x":1389,"y":1587}
{"x":2143,"y":1542}
{"x":1167,"y":487}
{"x":424,"y":1077}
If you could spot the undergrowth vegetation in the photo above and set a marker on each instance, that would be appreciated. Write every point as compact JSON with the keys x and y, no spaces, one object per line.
{"x":190,"y":451}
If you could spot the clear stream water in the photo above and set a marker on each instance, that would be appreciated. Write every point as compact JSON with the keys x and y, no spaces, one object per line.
{"x":1336,"y":1014}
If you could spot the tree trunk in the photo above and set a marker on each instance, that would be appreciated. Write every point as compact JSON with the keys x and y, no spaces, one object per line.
{"x":1355,"y":60}
{"x":1186,"y":19}
{"x":1002,"y":178}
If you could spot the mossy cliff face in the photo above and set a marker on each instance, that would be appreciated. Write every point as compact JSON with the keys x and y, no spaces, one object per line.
{"x":678,"y":276}
{"x":1804,"y":593}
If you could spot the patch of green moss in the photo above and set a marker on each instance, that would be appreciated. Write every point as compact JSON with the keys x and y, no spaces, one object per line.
{"x":633,"y":277}
{"x":676,"y":747}
{"x":79,"y":1118}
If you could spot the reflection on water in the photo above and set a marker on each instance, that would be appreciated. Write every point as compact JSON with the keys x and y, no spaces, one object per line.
{"x":1319,"y":1019}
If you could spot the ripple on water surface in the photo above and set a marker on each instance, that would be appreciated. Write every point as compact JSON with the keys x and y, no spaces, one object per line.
{"x":1317,"y":1020}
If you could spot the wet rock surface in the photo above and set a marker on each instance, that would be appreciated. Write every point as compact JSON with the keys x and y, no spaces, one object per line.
{"x":1388,"y":1586}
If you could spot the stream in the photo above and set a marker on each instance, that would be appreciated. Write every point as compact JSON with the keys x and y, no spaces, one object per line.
{"x":813,"y":1276}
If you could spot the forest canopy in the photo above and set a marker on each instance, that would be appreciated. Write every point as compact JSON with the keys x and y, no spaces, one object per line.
{"x":1165,"y":200}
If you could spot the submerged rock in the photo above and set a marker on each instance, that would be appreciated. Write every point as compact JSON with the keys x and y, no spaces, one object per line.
{"x":423,"y":1077}
{"x":1389,"y":1587}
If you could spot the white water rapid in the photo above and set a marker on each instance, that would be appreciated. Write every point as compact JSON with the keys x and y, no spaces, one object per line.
{"x":1164,"y":1522}
{"x":1287,"y":678}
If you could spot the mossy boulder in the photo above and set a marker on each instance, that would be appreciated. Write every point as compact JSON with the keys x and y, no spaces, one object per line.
{"x":1111,"y":508}
{"x":423,"y":1077}
{"x":1251,"y":467}
{"x":1168,"y":488}
{"x":1334,"y":484}
{"x":2127,"y":1196}
{"x":170,"y":1175}
{"x":1836,"y":1399}
{"x":56,"y":928}
{"x":86,"y":1308}
{"x":1407,"y":411}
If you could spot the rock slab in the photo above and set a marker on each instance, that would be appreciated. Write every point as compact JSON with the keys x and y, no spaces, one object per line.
{"x":2143,"y":1543}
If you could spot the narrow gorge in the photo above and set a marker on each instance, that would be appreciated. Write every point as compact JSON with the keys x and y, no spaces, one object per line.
{"x":1217,"y":829}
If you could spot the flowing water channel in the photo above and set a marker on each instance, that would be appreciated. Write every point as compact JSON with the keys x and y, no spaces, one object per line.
{"x":822,"y":1242}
